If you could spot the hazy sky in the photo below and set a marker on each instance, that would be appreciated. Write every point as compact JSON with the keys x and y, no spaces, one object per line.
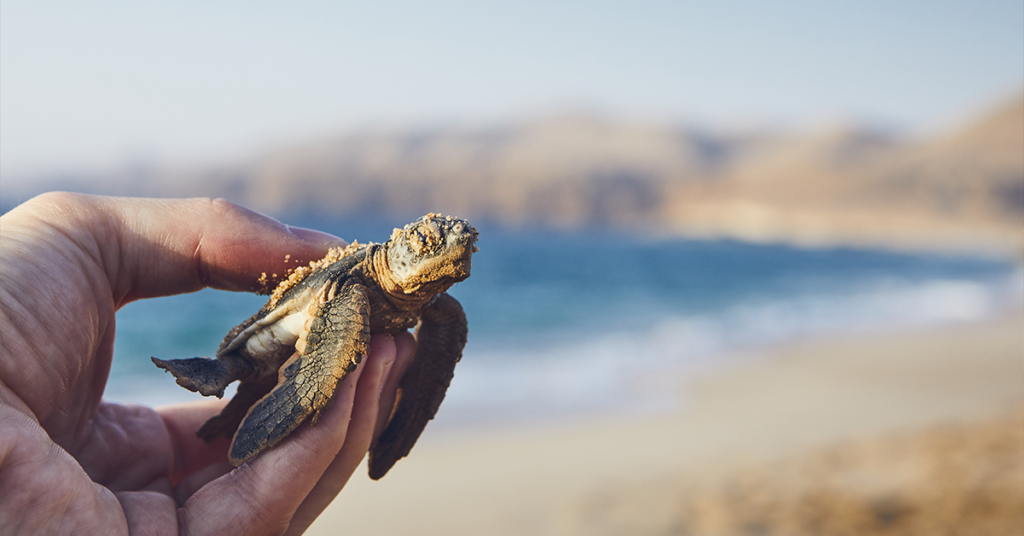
{"x":87,"y":84}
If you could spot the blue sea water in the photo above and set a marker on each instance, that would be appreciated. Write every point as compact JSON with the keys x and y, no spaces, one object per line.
{"x":569,"y":324}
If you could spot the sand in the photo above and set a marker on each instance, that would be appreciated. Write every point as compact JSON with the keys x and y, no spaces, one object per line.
{"x":916,"y":432}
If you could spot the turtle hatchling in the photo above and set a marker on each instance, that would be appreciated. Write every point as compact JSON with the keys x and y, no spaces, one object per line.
{"x":291,"y":355}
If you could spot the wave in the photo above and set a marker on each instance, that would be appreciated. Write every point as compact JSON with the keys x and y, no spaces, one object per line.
{"x":642,"y":370}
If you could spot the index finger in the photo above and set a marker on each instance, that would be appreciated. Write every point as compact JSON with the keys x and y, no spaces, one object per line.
{"x":178,"y":246}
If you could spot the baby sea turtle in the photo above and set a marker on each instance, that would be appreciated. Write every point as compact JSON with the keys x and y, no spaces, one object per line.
{"x":314,"y":330}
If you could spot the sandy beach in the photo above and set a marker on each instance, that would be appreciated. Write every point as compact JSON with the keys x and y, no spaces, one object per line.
{"x":918,"y":432}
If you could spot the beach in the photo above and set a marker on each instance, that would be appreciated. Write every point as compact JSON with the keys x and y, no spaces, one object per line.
{"x":857,"y":433}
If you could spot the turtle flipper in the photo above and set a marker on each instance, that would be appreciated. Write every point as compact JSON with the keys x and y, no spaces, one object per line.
{"x":440,"y":339}
{"x":207,"y":376}
{"x":337,"y":339}
{"x":226,"y":422}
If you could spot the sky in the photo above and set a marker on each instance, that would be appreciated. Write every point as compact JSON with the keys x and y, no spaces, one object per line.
{"x":88,"y":85}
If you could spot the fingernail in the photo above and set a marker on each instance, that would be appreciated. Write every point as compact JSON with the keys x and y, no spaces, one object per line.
{"x":383,"y":379}
{"x":385,"y":367}
{"x":318,"y":237}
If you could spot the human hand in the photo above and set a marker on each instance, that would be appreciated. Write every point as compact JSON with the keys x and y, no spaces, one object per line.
{"x":70,"y":462}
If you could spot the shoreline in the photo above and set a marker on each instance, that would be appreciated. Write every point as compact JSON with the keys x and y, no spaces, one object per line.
{"x":761,"y":406}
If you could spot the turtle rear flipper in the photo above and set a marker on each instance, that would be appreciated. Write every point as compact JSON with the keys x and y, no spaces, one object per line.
{"x":226,"y":422}
{"x":440,"y":339}
{"x":337,"y":339}
{"x":206,"y":376}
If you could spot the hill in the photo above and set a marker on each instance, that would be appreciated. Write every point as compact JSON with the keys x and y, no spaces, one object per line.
{"x":961,"y":189}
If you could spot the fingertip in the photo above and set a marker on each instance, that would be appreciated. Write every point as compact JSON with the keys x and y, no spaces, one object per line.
{"x":384,"y":353}
{"x":405,"y":345}
{"x":405,"y":351}
{"x":383,"y":348}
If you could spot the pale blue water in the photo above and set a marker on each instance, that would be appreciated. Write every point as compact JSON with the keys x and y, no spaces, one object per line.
{"x":563,"y":325}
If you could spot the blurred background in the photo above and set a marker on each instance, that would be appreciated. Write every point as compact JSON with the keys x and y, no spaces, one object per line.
{"x":689,"y":213}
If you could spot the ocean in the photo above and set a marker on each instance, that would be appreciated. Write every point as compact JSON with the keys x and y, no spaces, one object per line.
{"x":564,"y":325}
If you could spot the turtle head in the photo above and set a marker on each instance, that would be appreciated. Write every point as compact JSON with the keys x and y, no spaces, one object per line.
{"x":432,"y":253}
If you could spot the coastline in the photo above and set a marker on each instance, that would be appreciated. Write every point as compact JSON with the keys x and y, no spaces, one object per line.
{"x":760,"y":408}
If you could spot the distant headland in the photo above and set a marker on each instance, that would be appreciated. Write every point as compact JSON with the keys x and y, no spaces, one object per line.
{"x":958,"y":190}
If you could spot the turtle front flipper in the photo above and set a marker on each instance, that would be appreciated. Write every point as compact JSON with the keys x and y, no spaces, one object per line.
{"x":440,"y":338}
{"x":337,"y":339}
